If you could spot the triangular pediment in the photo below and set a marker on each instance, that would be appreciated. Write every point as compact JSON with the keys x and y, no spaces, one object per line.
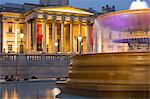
{"x":65,"y":9}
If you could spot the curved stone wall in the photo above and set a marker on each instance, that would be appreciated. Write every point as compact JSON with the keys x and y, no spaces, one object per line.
{"x":122,"y":31}
{"x":111,"y":72}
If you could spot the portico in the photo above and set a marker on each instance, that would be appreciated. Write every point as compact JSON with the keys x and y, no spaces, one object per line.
{"x":56,"y":30}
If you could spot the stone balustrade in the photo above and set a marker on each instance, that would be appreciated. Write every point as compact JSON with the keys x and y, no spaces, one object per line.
{"x":32,"y":57}
{"x":39,"y":65}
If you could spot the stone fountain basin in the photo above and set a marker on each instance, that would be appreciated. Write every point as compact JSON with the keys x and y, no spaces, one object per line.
{"x":125,"y":71}
{"x":126,"y":20}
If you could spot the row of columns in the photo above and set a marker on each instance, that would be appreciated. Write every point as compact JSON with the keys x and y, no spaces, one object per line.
{"x":54,"y":34}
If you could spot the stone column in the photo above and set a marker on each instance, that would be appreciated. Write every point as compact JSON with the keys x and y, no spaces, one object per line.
{"x":44,"y":33}
{"x":80,"y":34}
{"x":47,"y":37}
{"x":88,"y":36}
{"x":35,"y":35}
{"x":31,"y":34}
{"x":27,"y":35}
{"x":56,"y":39}
{"x":62,"y":34}
{"x":1,"y":36}
{"x":16,"y":34}
{"x":80,"y":27}
{"x":54,"y":34}
{"x":71,"y":34}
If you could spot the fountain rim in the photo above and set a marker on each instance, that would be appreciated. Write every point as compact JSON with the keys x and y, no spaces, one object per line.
{"x":122,"y":12}
{"x":114,"y":53}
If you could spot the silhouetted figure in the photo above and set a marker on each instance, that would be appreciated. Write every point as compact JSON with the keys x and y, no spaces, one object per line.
{"x":12,"y":78}
{"x":33,"y":77}
{"x":7,"y":78}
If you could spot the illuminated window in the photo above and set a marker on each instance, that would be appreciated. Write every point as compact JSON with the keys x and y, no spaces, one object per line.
{"x":10,"y":29}
{"x":9,"y":48}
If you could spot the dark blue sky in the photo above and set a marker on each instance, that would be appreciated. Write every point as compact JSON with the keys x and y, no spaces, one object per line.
{"x":96,"y":4}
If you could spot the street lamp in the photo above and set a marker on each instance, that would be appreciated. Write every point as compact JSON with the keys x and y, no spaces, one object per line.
{"x":80,"y":44}
{"x":17,"y":30}
{"x":21,"y":46}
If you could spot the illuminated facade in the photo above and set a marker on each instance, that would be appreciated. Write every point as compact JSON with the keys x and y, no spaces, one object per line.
{"x":47,"y":29}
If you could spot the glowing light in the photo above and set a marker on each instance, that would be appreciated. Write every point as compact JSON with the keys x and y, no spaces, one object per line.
{"x":139,"y":4}
{"x":79,"y":38}
{"x":5,"y":95}
{"x":21,"y":35}
{"x":56,"y":44}
{"x":56,"y":91}
{"x":17,"y":30}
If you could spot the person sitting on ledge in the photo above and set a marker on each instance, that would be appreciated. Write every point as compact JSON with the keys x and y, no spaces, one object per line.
{"x":12,"y":78}
{"x":7,"y":78}
{"x":33,"y":77}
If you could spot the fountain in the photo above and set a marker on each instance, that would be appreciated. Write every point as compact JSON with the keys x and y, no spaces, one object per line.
{"x":121,"y":62}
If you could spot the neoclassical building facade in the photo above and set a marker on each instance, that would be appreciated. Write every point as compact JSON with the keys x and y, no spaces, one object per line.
{"x":47,"y":29}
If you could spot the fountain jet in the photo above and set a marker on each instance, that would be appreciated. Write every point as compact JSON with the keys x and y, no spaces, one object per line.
{"x":139,"y":4}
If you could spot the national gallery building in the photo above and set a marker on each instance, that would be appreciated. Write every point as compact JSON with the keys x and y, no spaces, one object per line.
{"x":49,"y":27}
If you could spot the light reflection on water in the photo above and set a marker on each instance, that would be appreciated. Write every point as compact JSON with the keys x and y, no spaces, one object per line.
{"x":27,"y":90}
{"x":46,"y":89}
{"x":33,"y":90}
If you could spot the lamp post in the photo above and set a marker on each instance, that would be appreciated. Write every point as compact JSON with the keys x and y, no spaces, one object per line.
{"x":80,"y":44}
{"x":47,"y":48}
{"x":21,"y":51}
{"x":21,"y":46}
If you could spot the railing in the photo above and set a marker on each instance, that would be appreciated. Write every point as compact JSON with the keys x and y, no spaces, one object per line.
{"x":45,"y":57}
{"x":39,"y":65}
{"x":33,"y":57}
{"x":9,"y":57}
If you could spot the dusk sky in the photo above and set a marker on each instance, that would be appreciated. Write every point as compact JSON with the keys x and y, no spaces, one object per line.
{"x":96,"y":4}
